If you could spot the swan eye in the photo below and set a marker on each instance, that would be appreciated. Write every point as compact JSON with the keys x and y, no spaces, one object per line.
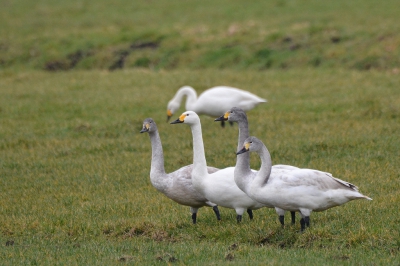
{"x":187,"y":115}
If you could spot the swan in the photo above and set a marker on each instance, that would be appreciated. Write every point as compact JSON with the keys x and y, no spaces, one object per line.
{"x":219,"y":187}
{"x":178,"y":184}
{"x":243,"y":173}
{"x":303,"y":190}
{"x":214,"y":101}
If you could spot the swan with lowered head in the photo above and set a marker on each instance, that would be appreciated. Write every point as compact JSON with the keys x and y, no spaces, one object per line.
{"x":303,"y":190}
{"x":219,"y":187}
{"x":243,"y":174}
{"x":178,"y":184}
{"x":214,"y":101}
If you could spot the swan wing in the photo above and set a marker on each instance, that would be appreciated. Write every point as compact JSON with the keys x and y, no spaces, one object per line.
{"x":181,"y":190}
{"x":284,"y":167}
{"x":310,"y":178}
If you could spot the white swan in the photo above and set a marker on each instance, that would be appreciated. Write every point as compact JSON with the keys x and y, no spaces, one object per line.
{"x":178,"y":184}
{"x":303,"y":190}
{"x":243,"y":174}
{"x":214,"y":101}
{"x":219,"y":187}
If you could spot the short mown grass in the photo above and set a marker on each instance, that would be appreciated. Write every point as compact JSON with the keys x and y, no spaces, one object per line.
{"x":75,"y":183}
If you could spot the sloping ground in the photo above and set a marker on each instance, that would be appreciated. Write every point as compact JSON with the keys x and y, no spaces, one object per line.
{"x":200,"y":34}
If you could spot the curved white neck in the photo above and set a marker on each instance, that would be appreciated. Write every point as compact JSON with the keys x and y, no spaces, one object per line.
{"x":199,"y":158}
{"x":265,"y":170}
{"x":191,"y":97}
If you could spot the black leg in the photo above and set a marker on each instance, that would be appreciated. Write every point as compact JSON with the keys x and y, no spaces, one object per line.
{"x":222,"y":123}
{"x":231,"y":123}
{"x":215,"y":209}
{"x":293,"y":217}
{"x":250,"y":212}
{"x":307,"y":221}
{"x":239,"y":218}
{"x":302,"y":224}
{"x":282,"y":220}
{"x":194,"y":215}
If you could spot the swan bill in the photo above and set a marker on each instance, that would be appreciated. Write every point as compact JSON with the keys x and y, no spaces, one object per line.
{"x":181,"y":119}
{"x":245,"y":149}
{"x":145,"y":128}
{"x":177,"y":121}
{"x":223,"y":117}
{"x":242,"y":151}
{"x":169,"y":114}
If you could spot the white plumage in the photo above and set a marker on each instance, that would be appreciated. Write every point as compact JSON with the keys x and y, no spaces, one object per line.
{"x":178,"y":184}
{"x":303,"y":190}
{"x":219,"y":187}
{"x":214,"y":101}
{"x":243,"y":174}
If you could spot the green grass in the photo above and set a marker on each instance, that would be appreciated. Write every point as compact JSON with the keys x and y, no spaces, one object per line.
{"x":75,"y":170}
{"x":60,"y":35}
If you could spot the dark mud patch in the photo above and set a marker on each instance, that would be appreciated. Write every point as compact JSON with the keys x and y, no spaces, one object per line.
{"x":67,"y":63}
{"x":121,"y":55}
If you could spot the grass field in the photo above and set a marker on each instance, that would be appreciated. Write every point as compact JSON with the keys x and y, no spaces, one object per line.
{"x":237,"y":34}
{"x":74,"y":169}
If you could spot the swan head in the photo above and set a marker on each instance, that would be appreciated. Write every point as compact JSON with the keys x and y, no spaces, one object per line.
{"x":188,"y":117}
{"x":148,"y":125}
{"x":251,"y":144}
{"x":233,"y":115}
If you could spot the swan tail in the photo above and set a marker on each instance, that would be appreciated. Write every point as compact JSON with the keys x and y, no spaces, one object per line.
{"x":368,"y":198}
{"x":360,"y":196}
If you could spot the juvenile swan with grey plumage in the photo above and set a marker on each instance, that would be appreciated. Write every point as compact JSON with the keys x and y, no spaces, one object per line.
{"x":303,"y":190}
{"x":243,"y":173}
{"x":214,"y":101}
{"x":178,"y":184}
{"x":219,"y":187}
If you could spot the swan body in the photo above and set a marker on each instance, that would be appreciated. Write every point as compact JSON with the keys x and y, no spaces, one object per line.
{"x":219,"y":187}
{"x":214,"y":101}
{"x":178,"y":184}
{"x":243,"y":174}
{"x":303,"y":190}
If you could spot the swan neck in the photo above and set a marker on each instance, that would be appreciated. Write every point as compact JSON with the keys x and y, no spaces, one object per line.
{"x":191,"y":97}
{"x":243,"y":160}
{"x":199,"y":158}
{"x":157,"y":156}
{"x":266,"y":166}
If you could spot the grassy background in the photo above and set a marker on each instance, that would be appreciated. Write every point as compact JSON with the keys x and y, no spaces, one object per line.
{"x":74,"y":169}
{"x":59,"y":35}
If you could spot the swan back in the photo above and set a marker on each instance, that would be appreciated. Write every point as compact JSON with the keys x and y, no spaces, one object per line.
{"x":294,"y":188}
